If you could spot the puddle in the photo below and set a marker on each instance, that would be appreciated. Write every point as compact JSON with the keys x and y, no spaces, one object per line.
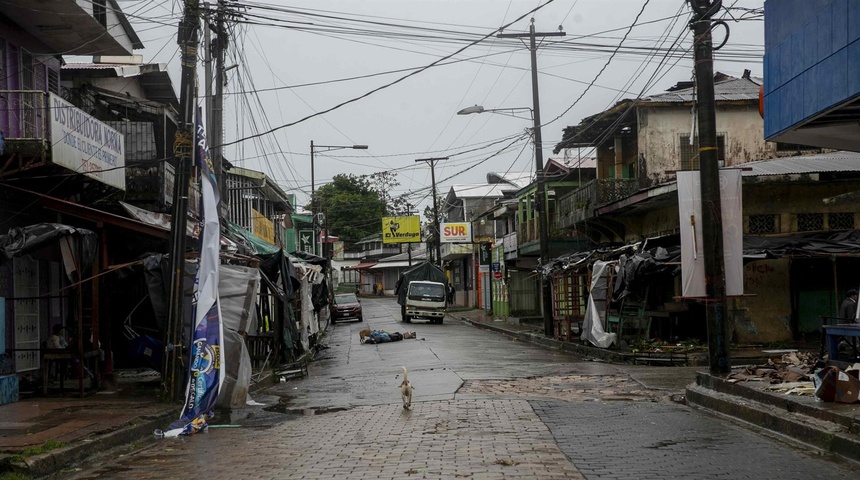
{"x":284,"y":406}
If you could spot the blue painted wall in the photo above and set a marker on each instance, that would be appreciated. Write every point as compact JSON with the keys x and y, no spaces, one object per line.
{"x":811,"y":61}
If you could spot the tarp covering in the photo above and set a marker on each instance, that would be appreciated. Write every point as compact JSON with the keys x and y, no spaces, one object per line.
{"x":592,"y":325}
{"x":237,"y":287}
{"x":254,"y":244}
{"x":802,"y":244}
{"x":425,"y":271}
{"x":29,"y":239}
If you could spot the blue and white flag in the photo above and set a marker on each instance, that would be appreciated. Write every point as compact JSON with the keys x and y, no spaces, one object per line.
{"x":206,"y":365}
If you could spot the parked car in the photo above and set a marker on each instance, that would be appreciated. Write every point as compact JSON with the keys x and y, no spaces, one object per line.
{"x":346,"y":306}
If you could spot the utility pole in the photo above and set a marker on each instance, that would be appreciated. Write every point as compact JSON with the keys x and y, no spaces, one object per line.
{"x":183,"y":151}
{"x":541,"y":201}
{"x":217,"y":131}
{"x":313,"y":202}
{"x":409,"y":245}
{"x":432,"y":162}
{"x":712,"y":217}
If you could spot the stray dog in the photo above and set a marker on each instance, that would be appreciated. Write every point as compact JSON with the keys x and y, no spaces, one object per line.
{"x":406,"y":390}
{"x":363,"y":334}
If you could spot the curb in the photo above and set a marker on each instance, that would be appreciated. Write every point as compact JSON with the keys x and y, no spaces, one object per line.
{"x":541,"y":340}
{"x":98,"y":444}
{"x":822,"y":429}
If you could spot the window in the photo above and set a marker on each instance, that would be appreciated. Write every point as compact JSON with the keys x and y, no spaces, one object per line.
{"x":690,"y":153}
{"x":810,"y":222}
{"x":763,"y":224}
{"x":100,"y":12}
{"x":840,"y":221}
{"x":54,"y":81}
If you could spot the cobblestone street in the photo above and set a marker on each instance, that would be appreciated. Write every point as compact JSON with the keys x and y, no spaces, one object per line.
{"x":505,"y":410}
{"x":480,"y":438}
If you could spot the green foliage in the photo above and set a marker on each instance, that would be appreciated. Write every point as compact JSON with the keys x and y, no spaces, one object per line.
{"x":352,"y":206}
{"x":14,"y":476}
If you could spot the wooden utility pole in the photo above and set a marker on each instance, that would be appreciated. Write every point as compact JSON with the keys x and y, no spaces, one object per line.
{"x":183,"y":151}
{"x":719,"y":333}
{"x":540,"y":200}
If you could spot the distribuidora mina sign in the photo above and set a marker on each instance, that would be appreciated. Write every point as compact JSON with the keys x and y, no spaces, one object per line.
{"x":460,"y":232}
{"x":401,"y":229}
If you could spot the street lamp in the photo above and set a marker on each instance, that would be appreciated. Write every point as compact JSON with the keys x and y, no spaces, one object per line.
{"x":324,"y":148}
{"x":511,"y":112}
{"x":540,"y":194}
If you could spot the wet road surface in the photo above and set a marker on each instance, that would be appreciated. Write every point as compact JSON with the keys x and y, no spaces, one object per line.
{"x":484,"y":406}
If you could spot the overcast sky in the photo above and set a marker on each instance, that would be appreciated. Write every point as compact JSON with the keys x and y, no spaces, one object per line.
{"x":416,"y":118}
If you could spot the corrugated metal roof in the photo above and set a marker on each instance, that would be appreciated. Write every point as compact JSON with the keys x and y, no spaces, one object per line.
{"x":734,"y":89}
{"x":480,"y":190}
{"x":818,"y":163}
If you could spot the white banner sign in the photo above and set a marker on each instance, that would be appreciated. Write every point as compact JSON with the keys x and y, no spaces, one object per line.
{"x":692,"y":251}
{"x":459,"y":232}
{"x":85,"y":145}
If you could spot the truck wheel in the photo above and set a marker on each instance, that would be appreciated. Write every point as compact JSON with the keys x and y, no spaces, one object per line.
{"x":406,"y":319}
{"x":439,"y":321}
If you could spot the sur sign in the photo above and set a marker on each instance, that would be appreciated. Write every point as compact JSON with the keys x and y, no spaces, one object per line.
{"x":456,"y":232}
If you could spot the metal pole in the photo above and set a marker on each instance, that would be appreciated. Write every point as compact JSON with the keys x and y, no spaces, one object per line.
{"x":719,"y":334}
{"x":183,"y":150}
{"x":540,"y":201}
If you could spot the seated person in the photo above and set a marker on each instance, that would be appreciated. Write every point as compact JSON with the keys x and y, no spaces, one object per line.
{"x":57,"y":341}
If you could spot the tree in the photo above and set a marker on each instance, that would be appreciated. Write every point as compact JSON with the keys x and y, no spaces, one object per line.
{"x":384,"y":183}
{"x":352,"y":206}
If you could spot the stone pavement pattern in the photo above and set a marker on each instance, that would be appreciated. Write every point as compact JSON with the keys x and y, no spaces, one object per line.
{"x":476,"y":438}
{"x":645,"y":440}
{"x":570,"y":388}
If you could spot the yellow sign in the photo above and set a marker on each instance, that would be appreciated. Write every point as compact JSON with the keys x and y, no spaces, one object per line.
{"x":401,"y":229}
{"x":263,"y":227}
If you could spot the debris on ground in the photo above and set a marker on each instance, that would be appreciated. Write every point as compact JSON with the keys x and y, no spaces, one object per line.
{"x":790,"y":368}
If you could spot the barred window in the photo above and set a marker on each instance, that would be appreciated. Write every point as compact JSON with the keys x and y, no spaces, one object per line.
{"x":763,"y":224}
{"x":690,"y":153}
{"x":841,"y":221}
{"x":810,"y":222}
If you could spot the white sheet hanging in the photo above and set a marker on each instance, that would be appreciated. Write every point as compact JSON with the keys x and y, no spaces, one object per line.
{"x":592,"y":325}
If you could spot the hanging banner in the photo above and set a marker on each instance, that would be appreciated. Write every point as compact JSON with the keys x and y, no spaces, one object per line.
{"x":206,"y":363}
{"x":401,"y":229}
{"x":692,"y":252}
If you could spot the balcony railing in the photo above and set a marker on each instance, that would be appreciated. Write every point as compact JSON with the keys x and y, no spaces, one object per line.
{"x":579,"y":205}
{"x":24,"y":115}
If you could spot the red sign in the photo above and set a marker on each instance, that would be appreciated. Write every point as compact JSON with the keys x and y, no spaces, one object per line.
{"x":497,"y":275}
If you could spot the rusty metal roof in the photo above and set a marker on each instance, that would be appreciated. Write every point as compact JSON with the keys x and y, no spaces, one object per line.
{"x":818,"y":163}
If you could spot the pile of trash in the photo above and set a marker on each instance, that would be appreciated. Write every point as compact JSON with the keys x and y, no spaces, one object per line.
{"x":801,"y":373}
{"x":792,"y":367}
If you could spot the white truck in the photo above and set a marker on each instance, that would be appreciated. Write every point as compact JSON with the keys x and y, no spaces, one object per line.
{"x":425,"y":299}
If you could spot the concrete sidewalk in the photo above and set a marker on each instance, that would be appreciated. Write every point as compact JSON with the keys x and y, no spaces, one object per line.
{"x":825,"y":427}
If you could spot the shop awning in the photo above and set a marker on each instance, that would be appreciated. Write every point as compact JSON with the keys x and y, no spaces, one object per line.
{"x":95,"y":215}
{"x":361,"y":266}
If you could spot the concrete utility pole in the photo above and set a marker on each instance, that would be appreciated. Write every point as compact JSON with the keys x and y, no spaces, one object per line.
{"x":719,"y":334}
{"x":432,"y":162}
{"x":217,"y":127}
{"x":183,"y":151}
{"x":541,"y":202}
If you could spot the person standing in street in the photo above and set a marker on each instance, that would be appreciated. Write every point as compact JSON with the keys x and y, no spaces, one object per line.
{"x":848,"y":310}
{"x":451,"y":292}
